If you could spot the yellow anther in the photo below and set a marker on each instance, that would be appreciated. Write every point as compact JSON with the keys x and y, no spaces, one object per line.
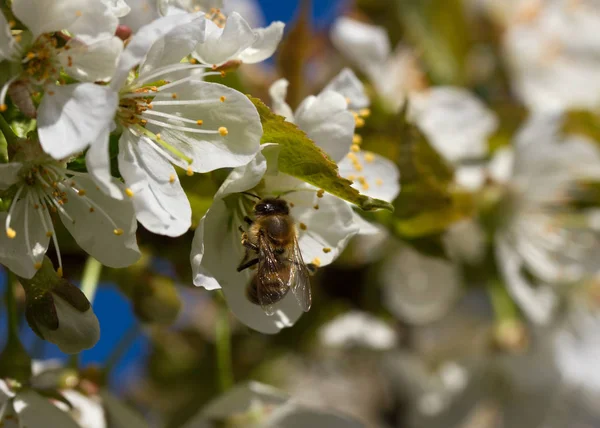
{"x":357,"y":139}
{"x":320,"y":193}
{"x":92,"y":209}
{"x":303,"y":226}
{"x":223,"y":73}
{"x":129,"y":192}
{"x":222,"y":98}
{"x":369,"y":157}
{"x":174,"y":95}
{"x":49,"y":234}
{"x":30,"y":55}
{"x":59,"y":272}
{"x":316,"y":206}
{"x":37,"y":265}
{"x":352,"y":157}
{"x":189,"y":172}
{"x":357,"y":166}
{"x":81,"y":192}
{"x":365,"y":186}
{"x":199,"y":122}
{"x":172,"y":178}
{"x":193,"y":61}
{"x":326,"y":250}
{"x":352,"y":177}
{"x":118,"y":232}
{"x":360,"y":122}
{"x":11,"y":233}
{"x":292,"y":204}
{"x":316,"y":261}
{"x":355,"y":148}
{"x":3,"y":107}
{"x":11,"y":23}
{"x":365,"y":112}
{"x":379,"y":182}
{"x":223,"y":131}
{"x":158,"y":137}
{"x":78,"y":13}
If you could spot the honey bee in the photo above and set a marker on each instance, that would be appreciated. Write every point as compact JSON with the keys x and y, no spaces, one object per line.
{"x":272,"y":244}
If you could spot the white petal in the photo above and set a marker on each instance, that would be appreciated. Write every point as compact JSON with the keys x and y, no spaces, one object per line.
{"x":347,"y":84}
{"x":91,"y":62}
{"x":328,"y":228}
{"x":366,"y":45}
{"x":140,"y":45}
{"x":465,"y":240}
{"x":174,"y":46}
{"x":87,"y":411}
{"x":5,"y":392}
{"x":278,"y":93}
{"x":365,"y":227}
{"x":356,"y":328}
{"x":97,"y":161}
{"x":37,"y":411}
{"x":327,"y":121}
{"x":501,"y":165}
{"x":90,"y":18}
{"x":9,"y":174}
{"x":372,"y":174}
{"x":160,"y":203}
{"x":294,"y":416}
{"x":471,"y":177}
{"x":216,"y":254}
{"x":455,"y":121}
{"x":119,"y":414}
{"x":142,"y":12}
{"x":417,"y":288}
{"x":222,"y":45}
{"x":71,"y":117}
{"x":15,"y":253}
{"x":241,"y":398}
{"x":76,"y":330}
{"x":94,"y":232}
{"x":212,"y":151}
{"x":8,"y":45}
{"x":538,"y":303}
{"x":265,"y":45}
{"x":118,"y":8}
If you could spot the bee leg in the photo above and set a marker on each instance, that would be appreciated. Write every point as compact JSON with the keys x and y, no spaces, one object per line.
{"x":247,"y":264}
{"x":249,"y":245}
{"x":248,"y":220}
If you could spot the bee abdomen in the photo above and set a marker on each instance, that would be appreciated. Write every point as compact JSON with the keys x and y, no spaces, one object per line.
{"x":272,"y":290}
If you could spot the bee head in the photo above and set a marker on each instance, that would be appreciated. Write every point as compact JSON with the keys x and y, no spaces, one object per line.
{"x":270,"y":206}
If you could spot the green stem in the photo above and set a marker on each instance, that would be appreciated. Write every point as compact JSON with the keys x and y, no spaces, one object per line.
{"x":90,"y":278}
{"x":9,"y":134}
{"x":502,"y":303}
{"x":223,"y":346}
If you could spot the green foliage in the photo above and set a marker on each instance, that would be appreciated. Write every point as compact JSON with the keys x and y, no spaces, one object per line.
{"x":583,"y":123}
{"x":427,"y":204}
{"x":300,"y":157}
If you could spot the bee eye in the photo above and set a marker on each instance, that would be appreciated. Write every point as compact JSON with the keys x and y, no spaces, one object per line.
{"x":260,"y":207}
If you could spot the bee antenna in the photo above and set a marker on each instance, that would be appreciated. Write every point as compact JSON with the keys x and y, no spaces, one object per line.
{"x":251,"y":194}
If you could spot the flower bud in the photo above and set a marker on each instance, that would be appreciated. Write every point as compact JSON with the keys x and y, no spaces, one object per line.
{"x":59,"y":312}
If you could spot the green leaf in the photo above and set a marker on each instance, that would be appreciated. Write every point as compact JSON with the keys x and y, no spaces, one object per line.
{"x":583,"y":123}
{"x":427,"y":204}
{"x":300,"y":157}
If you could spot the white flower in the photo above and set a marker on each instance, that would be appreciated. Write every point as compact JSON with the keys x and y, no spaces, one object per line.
{"x":553,"y":52}
{"x":543,"y":232}
{"x":393,"y":74}
{"x":142,"y":12}
{"x":418,"y":288}
{"x":255,"y":405}
{"x":39,"y":55}
{"x":26,"y":408}
{"x":324,"y":226}
{"x":104,"y":227}
{"x":357,"y":328}
{"x":184,"y":121}
{"x":327,"y":120}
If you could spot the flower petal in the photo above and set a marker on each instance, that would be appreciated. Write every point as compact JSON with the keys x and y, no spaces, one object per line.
{"x":97,"y":161}
{"x":538,"y":303}
{"x":327,"y":121}
{"x":372,"y":174}
{"x":118,"y":8}
{"x":16,"y":254}
{"x":8,"y":45}
{"x":9,"y":174}
{"x":278,"y":93}
{"x":347,"y":84}
{"x":211,"y":151}
{"x":174,"y":46}
{"x":71,"y":117}
{"x":364,"y":44}
{"x":91,"y":62}
{"x":141,"y":43}
{"x":265,"y":45}
{"x":95,"y":231}
{"x":87,"y":411}
{"x":455,"y":121}
{"x":160,"y":203}
{"x":37,"y":411}
{"x":142,"y":12}
{"x":224,"y":44}
{"x":119,"y":414}
{"x":90,"y":18}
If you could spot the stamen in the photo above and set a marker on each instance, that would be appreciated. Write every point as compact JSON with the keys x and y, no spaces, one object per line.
{"x":129,"y":192}
{"x":172,"y":178}
{"x":223,"y":131}
{"x":168,"y":69}
{"x":118,"y":232}
{"x":10,"y":232}
{"x":180,"y":128}
{"x":189,"y":172}
{"x":171,"y":116}
{"x":3,"y":93}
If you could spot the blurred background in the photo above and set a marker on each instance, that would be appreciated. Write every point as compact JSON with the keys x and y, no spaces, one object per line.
{"x":422,"y":323}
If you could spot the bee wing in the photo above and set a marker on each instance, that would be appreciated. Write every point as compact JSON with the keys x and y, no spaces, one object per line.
{"x":271,"y":287}
{"x":299,"y":280}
